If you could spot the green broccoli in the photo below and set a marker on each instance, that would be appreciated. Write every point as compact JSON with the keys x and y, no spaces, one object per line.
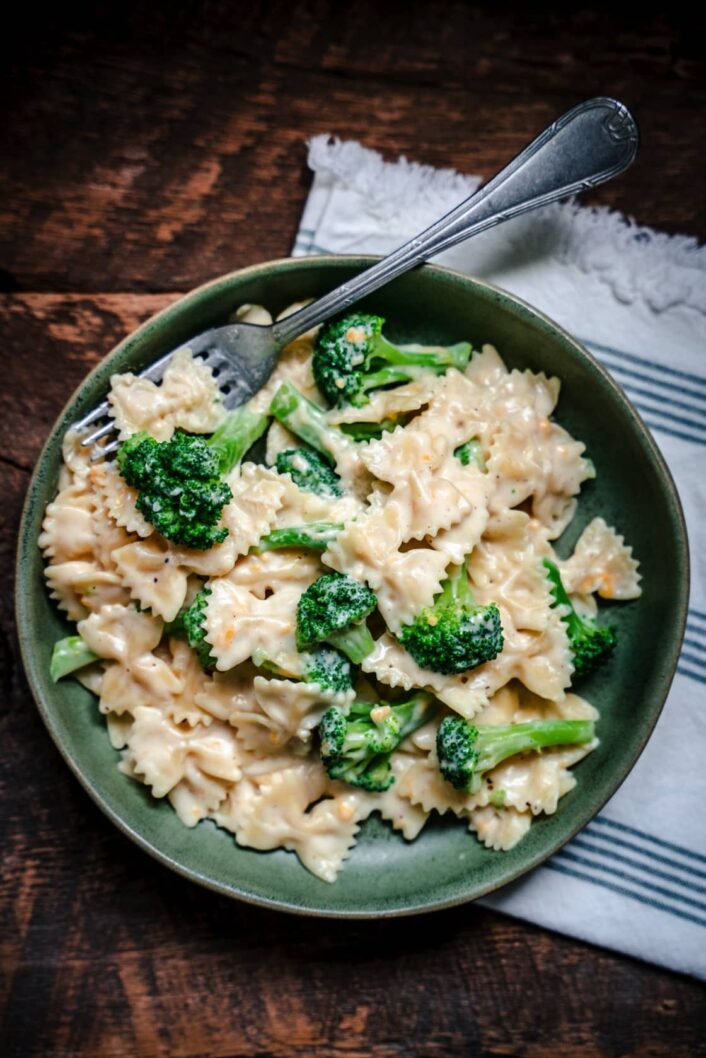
{"x":323,"y":665}
{"x":238,"y":432}
{"x":351,"y":357}
{"x":189,"y":623}
{"x":181,"y":491}
{"x":333,"y":610}
{"x":308,"y":421}
{"x":471,"y":454}
{"x":369,"y":431}
{"x":310,"y":471}
{"x":68,"y":655}
{"x":454,"y":634}
{"x":466,"y":752}
{"x":330,"y":669}
{"x":591,"y":644}
{"x":356,"y":745}
{"x":315,"y":536}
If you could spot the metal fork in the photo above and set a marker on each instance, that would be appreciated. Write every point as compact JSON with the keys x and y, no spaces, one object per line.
{"x":590,"y":144}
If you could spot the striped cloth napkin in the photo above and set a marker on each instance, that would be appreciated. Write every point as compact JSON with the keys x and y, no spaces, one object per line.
{"x":637,"y":299}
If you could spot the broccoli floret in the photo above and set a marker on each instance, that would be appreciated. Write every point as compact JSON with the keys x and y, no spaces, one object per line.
{"x":68,"y":655}
{"x":333,"y":610}
{"x":351,"y":357}
{"x":323,"y":665}
{"x":181,"y":491}
{"x":591,"y":644}
{"x":189,"y":623}
{"x":315,"y":535}
{"x":310,"y":471}
{"x":470,"y":454}
{"x":454,"y":634}
{"x":356,"y":745}
{"x":308,"y":421}
{"x":466,"y":752}
{"x":330,"y":669}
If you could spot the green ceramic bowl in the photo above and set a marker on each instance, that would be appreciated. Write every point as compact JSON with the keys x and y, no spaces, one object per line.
{"x":633,"y":491}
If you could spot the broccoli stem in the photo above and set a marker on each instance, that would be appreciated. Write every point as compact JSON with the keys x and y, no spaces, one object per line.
{"x":561,"y":598}
{"x":306,"y":419}
{"x":68,"y":655}
{"x":315,"y":535}
{"x":456,"y":589}
{"x":237,"y":433}
{"x":448,"y":356}
{"x":368,"y":431}
{"x":496,"y":743}
{"x":355,"y":642}
{"x":404,"y":365}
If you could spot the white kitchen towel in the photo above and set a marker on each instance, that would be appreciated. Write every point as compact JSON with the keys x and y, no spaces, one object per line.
{"x":635,"y":878}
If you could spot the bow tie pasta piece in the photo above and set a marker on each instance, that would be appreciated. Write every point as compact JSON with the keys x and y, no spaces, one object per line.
{"x":279,"y":440}
{"x":601,"y":563}
{"x":270,"y":572}
{"x":195,"y":767}
{"x":300,"y":506}
{"x":183,"y":705}
{"x":457,"y":541}
{"x":133,"y":675}
{"x":422,"y":786}
{"x":542,"y":661}
{"x":157,"y":572}
{"x":499,"y":829}
{"x":467,"y":694}
{"x":392,"y":804}
{"x":67,"y":529}
{"x":240,"y":626}
{"x":78,"y":586}
{"x":68,"y":540}
{"x":273,"y":812}
{"x":80,"y":537}
{"x":258,"y":494}
{"x":280,"y":711}
{"x":369,"y":548}
{"x":537,"y":458}
{"x":187,"y":398}
{"x":224,"y":695}
{"x":507,"y":566}
{"x":120,"y":499}
{"x":432,"y":437}
{"x":487,"y":367}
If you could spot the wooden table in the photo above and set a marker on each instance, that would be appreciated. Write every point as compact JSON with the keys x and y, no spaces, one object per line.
{"x":148,"y":150}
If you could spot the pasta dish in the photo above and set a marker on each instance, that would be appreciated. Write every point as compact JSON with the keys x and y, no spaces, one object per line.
{"x":341,"y":598}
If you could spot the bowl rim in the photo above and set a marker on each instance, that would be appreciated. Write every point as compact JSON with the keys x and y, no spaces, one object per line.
{"x":530,"y":313}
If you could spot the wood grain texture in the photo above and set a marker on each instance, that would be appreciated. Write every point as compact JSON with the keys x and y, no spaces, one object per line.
{"x":145,"y":152}
{"x":153,"y":150}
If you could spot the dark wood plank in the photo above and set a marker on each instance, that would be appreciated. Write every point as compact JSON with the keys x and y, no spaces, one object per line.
{"x":152,"y":151}
{"x":105,"y":954}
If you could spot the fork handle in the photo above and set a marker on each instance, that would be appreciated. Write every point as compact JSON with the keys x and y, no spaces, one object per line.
{"x":590,"y":144}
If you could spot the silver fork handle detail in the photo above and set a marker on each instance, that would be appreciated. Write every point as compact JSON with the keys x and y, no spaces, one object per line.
{"x":590,"y":144}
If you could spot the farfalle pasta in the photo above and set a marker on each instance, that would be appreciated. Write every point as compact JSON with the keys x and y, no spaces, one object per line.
{"x":213,"y":696}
